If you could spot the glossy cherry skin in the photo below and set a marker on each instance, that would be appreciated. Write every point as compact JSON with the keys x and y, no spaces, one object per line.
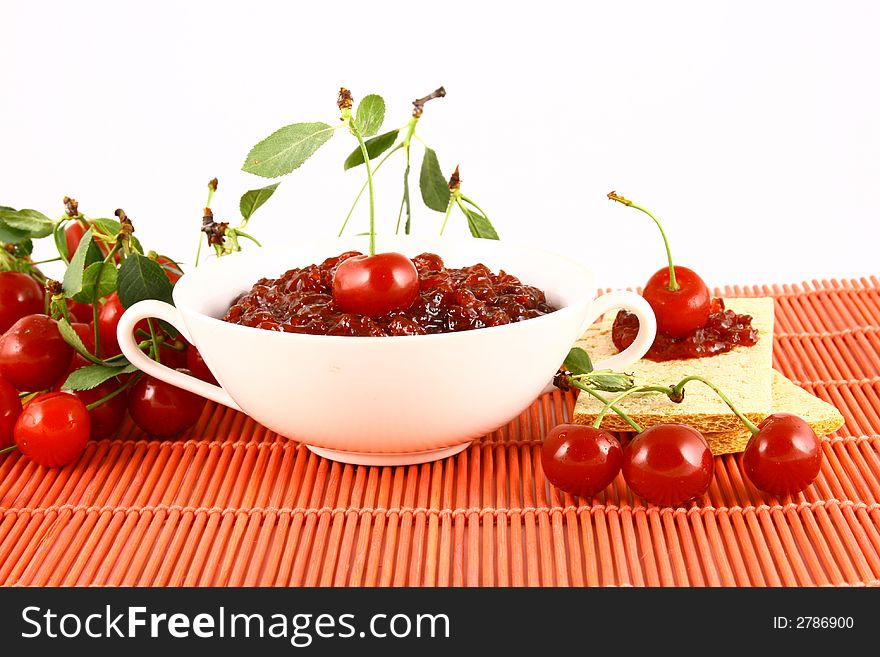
{"x":784,"y":457}
{"x":668,"y":464}
{"x":580,"y":459}
{"x":20,"y":295}
{"x":53,"y":429}
{"x":105,"y":418}
{"x":196,"y":364}
{"x":682,"y":312}
{"x":33,"y":355}
{"x":80,"y":312}
{"x":73,"y":236}
{"x":161,"y":409}
{"x":375,"y":285}
{"x":10,"y":409}
{"x":108,"y":319}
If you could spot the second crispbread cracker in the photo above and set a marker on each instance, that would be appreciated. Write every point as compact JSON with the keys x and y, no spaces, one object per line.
{"x":744,"y":374}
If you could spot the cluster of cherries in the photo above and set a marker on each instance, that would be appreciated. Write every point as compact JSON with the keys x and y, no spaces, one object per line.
{"x":51,"y":426}
{"x":670,"y":464}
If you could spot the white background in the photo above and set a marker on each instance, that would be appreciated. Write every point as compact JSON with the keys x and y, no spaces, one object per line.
{"x":750,"y":128}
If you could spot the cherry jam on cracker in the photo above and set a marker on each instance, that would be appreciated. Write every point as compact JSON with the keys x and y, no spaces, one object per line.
{"x":723,"y":331}
{"x":449,"y":300}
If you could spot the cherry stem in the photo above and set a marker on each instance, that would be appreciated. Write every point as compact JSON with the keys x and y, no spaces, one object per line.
{"x":678,"y":391}
{"x":452,"y":202}
{"x":115,"y":392}
{"x":96,"y":329}
{"x":673,"y":284}
{"x":154,"y":339}
{"x":356,"y":132}
{"x":364,"y":187}
{"x":6,"y":450}
{"x":611,"y":404}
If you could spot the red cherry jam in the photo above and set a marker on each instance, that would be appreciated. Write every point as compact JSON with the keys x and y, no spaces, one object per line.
{"x":723,"y":331}
{"x":449,"y":300}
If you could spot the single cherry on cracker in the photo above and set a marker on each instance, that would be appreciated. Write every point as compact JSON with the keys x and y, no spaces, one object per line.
{"x":677,"y":295}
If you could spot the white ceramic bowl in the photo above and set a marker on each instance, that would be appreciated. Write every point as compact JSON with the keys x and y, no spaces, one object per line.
{"x":387,"y":400}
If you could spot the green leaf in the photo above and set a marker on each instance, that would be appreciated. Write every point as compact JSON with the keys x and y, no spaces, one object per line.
{"x":72,"y":338}
{"x":609,"y":381}
{"x":141,"y":278}
{"x":35,"y":224}
{"x":99,"y":280}
{"x":24,"y":248}
{"x":479,"y":224}
{"x":86,"y":253}
{"x":91,"y":376}
{"x":9,"y":234}
{"x":375,"y":147}
{"x":370,"y":114}
{"x":578,"y":361}
{"x":253,"y":199}
{"x":107,"y":226}
{"x":61,"y":242}
{"x":286,"y":149}
{"x":435,"y":190}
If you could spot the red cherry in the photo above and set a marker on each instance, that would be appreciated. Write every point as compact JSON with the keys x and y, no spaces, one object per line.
{"x":105,"y":418}
{"x":580,"y":459}
{"x":10,"y":409}
{"x":53,"y":429}
{"x":196,"y":364}
{"x":20,"y":295}
{"x":81,"y":312}
{"x":784,"y":457}
{"x":668,"y":464}
{"x":73,"y":236}
{"x":161,"y":409}
{"x":682,"y":312}
{"x":375,"y":285}
{"x":108,"y":319}
{"x":33,"y":355}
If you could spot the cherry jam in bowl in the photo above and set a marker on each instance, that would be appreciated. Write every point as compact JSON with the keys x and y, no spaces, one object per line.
{"x":379,"y":398}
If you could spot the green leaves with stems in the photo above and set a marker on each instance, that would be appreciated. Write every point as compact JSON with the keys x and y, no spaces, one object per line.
{"x":91,"y":376}
{"x":72,"y":338}
{"x":479,"y":224}
{"x":141,"y":278}
{"x":370,"y":115}
{"x":435,"y":191}
{"x":99,"y":280}
{"x":578,"y":361}
{"x":252,"y":200}
{"x":86,"y":254}
{"x":286,"y":149}
{"x":17,"y":226}
{"x":375,"y":147}
{"x":580,"y":365}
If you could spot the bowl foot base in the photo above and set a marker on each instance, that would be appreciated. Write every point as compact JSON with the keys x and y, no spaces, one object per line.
{"x":388,"y":458}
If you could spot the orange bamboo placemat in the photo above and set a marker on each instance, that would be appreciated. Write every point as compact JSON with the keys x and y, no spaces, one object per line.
{"x":234,"y":504}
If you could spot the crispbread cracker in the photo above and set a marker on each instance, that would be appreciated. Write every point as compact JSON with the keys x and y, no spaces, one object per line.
{"x":744,"y":374}
{"x":788,"y":397}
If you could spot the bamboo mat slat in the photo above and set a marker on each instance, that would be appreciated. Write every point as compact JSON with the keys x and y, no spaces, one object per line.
{"x":233,"y":504}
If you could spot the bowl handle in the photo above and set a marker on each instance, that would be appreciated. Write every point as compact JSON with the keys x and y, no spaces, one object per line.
{"x":128,"y":344}
{"x":636,"y":304}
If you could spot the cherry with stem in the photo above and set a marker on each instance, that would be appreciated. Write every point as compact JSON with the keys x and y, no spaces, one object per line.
{"x":678,"y":296}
